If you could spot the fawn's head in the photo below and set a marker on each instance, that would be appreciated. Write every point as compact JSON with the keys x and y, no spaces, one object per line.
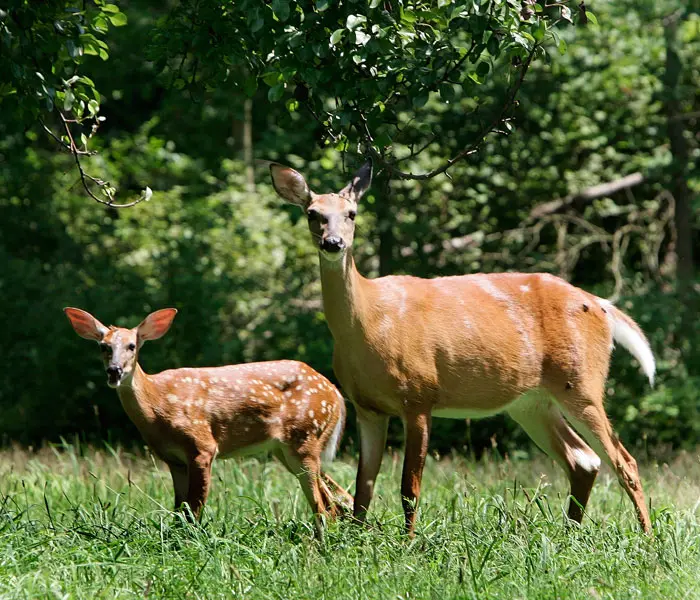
{"x":120,"y":346}
{"x":331,"y":216}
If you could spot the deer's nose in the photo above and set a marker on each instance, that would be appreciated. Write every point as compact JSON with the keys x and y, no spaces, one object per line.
{"x":332,"y":243}
{"x":114,"y":372}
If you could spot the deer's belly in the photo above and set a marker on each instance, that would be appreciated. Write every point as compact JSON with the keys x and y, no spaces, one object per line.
{"x":466,"y":412}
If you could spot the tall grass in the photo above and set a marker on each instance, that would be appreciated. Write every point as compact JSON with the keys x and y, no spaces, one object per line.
{"x":88,"y":523}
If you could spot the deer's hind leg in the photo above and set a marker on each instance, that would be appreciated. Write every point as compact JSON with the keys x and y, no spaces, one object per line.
{"x":306,"y":467}
{"x":582,"y":404}
{"x":543,"y":421}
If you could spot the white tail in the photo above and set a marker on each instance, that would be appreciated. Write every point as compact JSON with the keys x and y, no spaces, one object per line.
{"x":331,"y":449}
{"x":530,"y":345}
{"x":189,"y":416}
{"x":628,"y":334}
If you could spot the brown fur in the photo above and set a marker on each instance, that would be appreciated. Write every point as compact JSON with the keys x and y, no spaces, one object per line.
{"x":189,"y":416}
{"x":531,"y":345}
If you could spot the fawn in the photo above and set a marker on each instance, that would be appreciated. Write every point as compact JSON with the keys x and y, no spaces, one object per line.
{"x":189,"y":416}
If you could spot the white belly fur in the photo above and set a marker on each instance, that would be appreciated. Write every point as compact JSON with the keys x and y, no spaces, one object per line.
{"x":534,"y":395}
{"x":262,"y":448}
{"x":465,"y":413}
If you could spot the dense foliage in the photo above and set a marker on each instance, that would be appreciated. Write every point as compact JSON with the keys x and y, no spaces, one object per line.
{"x":175,"y":91}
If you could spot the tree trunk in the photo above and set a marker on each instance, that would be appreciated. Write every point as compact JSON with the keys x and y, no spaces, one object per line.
{"x":679,"y":151}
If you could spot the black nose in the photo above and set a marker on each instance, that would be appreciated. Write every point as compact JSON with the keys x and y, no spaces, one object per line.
{"x":114,"y":372}
{"x":332,"y":243}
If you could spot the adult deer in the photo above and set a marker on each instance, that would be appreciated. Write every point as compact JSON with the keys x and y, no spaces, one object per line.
{"x":470,"y":346}
{"x":190,"y":416}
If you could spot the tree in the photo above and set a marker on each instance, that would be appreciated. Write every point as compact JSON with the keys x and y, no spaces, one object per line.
{"x":363,"y":70}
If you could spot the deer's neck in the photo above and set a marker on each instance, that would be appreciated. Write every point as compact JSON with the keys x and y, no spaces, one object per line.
{"x":139,"y":396}
{"x":344,"y":296}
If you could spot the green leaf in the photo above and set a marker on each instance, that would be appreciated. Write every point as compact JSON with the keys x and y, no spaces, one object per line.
{"x":383,"y":139}
{"x":591,"y":17}
{"x":118,"y":19}
{"x":322,"y":5}
{"x":281,"y":9}
{"x":375,"y":3}
{"x":272,"y":78}
{"x":276,"y":92}
{"x":257,"y":24}
{"x":561,"y":47}
{"x":361,"y":38}
{"x":447,"y":92}
{"x":68,"y":100}
{"x":354,"y":21}
{"x":493,"y":46}
{"x":337,"y":36}
{"x":420,"y":100}
{"x":538,"y":34}
{"x":110,"y":8}
{"x":483,"y":69}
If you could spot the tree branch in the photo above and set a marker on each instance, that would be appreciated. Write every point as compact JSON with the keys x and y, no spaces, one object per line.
{"x":84,"y":177}
{"x":586,"y":195}
{"x":470,"y":149}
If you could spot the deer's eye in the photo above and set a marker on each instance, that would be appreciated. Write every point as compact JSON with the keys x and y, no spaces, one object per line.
{"x":132,"y":347}
{"x":312,"y":215}
{"x":351,"y":215}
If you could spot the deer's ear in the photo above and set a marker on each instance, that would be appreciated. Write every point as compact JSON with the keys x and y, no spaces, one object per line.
{"x":156,"y":324}
{"x":85,"y":325}
{"x":290,"y":185}
{"x":359,"y":183}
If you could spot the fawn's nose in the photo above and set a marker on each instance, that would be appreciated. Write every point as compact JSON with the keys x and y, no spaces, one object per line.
{"x":332,"y":243}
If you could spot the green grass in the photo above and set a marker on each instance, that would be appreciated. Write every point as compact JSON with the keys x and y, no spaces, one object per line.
{"x":99,"y":526}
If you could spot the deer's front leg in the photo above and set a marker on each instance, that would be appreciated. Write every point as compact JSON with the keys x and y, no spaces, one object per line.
{"x":417,"y":429}
{"x":372,"y":428}
{"x":199,"y":481}
{"x":181,"y":481}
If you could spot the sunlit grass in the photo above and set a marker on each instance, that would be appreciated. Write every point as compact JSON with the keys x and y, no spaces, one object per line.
{"x":97,"y":523}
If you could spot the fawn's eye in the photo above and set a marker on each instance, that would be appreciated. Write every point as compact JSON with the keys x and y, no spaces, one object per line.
{"x":132,"y":347}
{"x":351,"y":215}
{"x":312,"y":215}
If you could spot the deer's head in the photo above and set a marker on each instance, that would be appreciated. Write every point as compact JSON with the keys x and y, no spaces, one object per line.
{"x":120,"y":346}
{"x":331,"y":216}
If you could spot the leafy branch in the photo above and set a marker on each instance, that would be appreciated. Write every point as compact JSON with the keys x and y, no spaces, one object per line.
{"x":86,"y":179}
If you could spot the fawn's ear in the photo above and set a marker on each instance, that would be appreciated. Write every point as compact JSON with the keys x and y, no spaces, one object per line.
{"x":85,"y":325}
{"x":156,"y":324}
{"x":359,"y":184}
{"x":290,"y":185}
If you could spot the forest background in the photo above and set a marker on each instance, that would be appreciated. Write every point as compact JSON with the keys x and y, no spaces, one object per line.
{"x":183,"y":97}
